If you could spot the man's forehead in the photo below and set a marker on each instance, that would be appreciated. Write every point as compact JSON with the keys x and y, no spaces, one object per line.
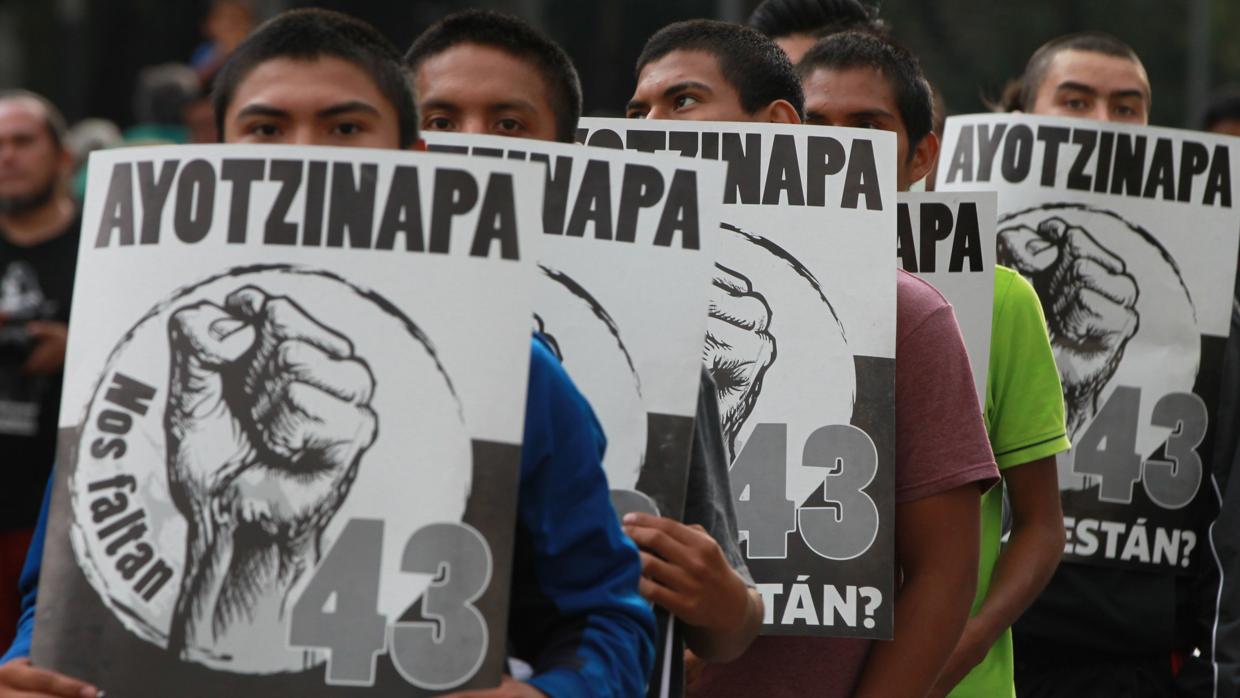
{"x":1099,"y":71}
{"x":484,"y":67}
{"x":851,"y":85}
{"x":682,"y":65}
{"x":314,"y":77}
{"x":21,"y":110}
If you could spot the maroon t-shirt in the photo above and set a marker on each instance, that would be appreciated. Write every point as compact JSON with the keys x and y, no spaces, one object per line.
{"x":941,"y":444}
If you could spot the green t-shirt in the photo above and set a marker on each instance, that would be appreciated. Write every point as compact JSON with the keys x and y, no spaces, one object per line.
{"x":1025,"y":421}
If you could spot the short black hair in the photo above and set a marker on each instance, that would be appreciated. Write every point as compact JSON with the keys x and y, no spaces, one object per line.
{"x":1224,"y":106}
{"x":858,"y":49}
{"x":307,"y":34}
{"x":1040,"y":61}
{"x":781,"y":18}
{"x":513,"y":36}
{"x":752,"y":63}
{"x":53,"y":120}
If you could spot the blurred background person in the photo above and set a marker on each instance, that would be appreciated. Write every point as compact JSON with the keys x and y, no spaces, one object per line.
{"x":160,"y":100}
{"x":227,"y":23}
{"x":38,"y":256}
{"x":84,"y":138}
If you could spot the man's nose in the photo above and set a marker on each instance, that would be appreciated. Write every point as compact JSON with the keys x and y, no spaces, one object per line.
{"x":474,"y":123}
{"x":304,"y":135}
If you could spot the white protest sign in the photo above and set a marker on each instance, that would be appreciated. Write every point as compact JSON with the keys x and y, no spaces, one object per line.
{"x":948,"y":239}
{"x":293,"y":409}
{"x":801,"y":344}
{"x":625,"y":260}
{"x":1129,"y":235}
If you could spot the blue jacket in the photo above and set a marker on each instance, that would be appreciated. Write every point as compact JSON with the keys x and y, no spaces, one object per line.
{"x":576,"y":616}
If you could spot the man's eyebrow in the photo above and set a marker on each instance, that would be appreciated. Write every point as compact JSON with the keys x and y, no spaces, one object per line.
{"x":679,"y":87}
{"x":871,"y":113}
{"x":1131,"y":92}
{"x":346,"y":108}
{"x":518,"y":104}
{"x":635,"y":104}
{"x":672,"y":91}
{"x":260,"y":110}
{"x":445,"y":104}
{"x":1078,"y":86}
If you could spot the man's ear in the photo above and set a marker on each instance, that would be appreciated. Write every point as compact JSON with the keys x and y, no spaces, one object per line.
{"x":419,"y":145}
{"x":781,"y":111}
{"x":923,"y":157}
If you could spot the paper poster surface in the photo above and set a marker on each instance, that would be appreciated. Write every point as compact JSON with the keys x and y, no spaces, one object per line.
{"x":286,"y":464}
{"x":948,"y":239}
{"x":800,"y":342}
{"x":625,"y":262}
{"x":1129,"y":235}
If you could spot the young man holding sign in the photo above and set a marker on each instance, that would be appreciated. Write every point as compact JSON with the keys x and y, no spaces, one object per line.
{"x":486,"y":73}
{"x":865,"y":80}
{"x":319,"y":78}
{"x":1096,"y":629}
{"x":704,"y":70}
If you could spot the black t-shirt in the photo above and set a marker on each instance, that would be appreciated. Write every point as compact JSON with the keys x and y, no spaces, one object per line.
{"x":36,"y":283}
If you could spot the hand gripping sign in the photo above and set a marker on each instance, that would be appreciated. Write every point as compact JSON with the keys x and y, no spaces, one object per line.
{"x":286,"y":464}
{"x":1129,"y":236}
{"x":800,"y":341}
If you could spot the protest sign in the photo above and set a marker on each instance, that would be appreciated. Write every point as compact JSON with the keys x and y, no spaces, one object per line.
{"x":1129,"y":235}
{"x":949,"y":240}
{"x":625,"y":263}
{"x":626,"y":256}
{"x":291,"y":423}
{"x":800,"y":342}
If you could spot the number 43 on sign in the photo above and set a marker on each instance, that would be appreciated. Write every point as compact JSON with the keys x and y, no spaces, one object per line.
{"x":338,"y":610}
{"x":843,"y":527}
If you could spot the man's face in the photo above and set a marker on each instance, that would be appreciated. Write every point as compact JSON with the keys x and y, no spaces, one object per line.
{"x":30,"y":162}
{"x":324,"y":101}
{"x":686,"y":85}
{"x":796,"y":45}
{"x":1094,"y":86}
{"x":861,"y":98}
{"x":471,"y":88}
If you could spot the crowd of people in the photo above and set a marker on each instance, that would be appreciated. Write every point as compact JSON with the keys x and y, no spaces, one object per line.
{"x":983,"y":609}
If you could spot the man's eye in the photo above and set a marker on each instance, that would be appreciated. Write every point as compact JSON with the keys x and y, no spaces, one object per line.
{"x":1076,"y":104}
{"x":683,"y":101}
{"x":347,"y":128}
{"x":1125,"y":110}
{"x":508,"y":125}
{"x":265,"y":130}
{"x":439,"y":123}
{"x":635,"y":114}
{"x":869,"y":124}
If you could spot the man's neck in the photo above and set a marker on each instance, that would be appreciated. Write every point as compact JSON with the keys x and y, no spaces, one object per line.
{"x":39,"y":225}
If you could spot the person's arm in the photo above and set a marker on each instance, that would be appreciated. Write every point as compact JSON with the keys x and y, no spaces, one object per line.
{"x":576,"y":616}
{"x":1025,"y":565}
{"x":937,"y":539}
{"x":28,"y":583}
{"x":684,"y":571}
{"x":18,"y":677}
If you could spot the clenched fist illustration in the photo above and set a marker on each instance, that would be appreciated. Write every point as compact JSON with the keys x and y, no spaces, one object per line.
{"x":739,"y":349}
{"x":1090,"y":302}
{"x":268,"y":416}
